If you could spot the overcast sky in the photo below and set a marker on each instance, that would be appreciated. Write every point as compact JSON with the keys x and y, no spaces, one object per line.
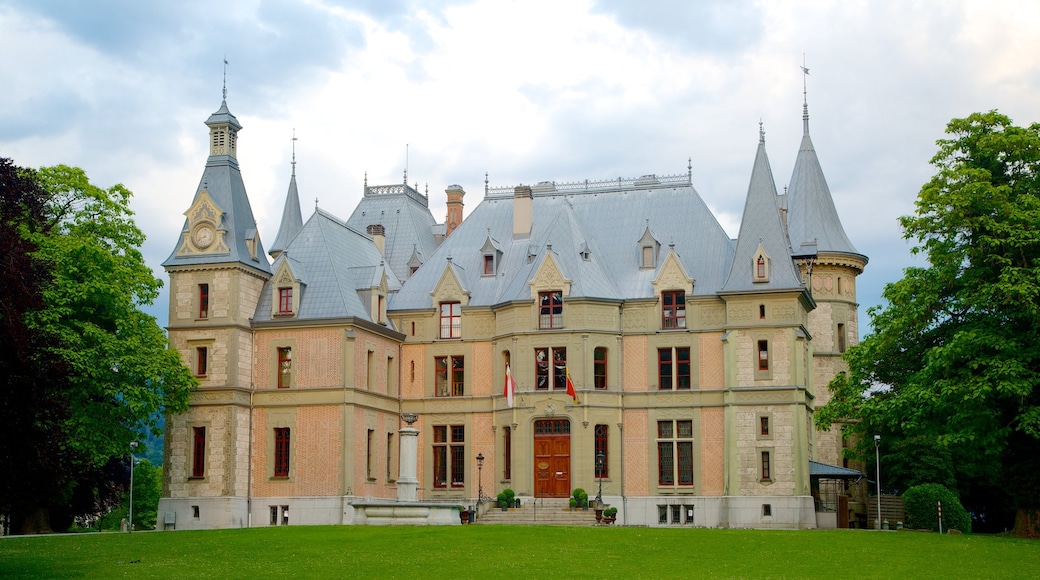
{"x":526,"y":91}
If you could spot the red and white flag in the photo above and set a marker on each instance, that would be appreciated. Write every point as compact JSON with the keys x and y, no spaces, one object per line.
{"x":510,"y":388}
{"x":570,"y":385}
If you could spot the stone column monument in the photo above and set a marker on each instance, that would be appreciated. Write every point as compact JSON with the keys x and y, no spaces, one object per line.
{"x":407,"y":481}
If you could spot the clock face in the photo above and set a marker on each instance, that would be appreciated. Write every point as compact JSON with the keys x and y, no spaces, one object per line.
{"x":203,"y":236}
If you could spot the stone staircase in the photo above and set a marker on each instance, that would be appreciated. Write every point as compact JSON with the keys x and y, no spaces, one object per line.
{"x":538,"y":512}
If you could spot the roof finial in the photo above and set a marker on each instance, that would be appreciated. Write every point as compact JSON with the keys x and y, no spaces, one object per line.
{"x":485,"y":183}
{"x":427,"y":189}
{"x":366,"y":180}
{"x":761,"y":131}
{"x":315,"y":202}
{"x":406,"y":165}
{"x":294,"y":151}
{"x":689,"y":169}
{"x":224,"y":91}
{"x":805,"y":97}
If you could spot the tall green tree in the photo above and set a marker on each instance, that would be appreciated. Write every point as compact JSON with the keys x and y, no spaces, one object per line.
{"x":954,"y":355}
{"x":116,"y":372}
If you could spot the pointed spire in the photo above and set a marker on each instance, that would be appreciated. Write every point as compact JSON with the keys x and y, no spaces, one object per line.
{"x":812,"y":219}
{"x":223,"y":92}
{"x":292,"y":217}
{"x":805,"y":98}
{"x":762,"y":235}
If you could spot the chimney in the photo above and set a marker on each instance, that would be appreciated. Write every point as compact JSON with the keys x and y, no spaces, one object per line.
{"x":454,"y":219}
{"x":522,"y":208}
{"x":378,"y":234}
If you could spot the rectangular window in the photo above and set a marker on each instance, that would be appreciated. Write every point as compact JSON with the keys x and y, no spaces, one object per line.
{"x":682,"y":368}
{"x":274,"y":515}
{"x":766,"y":471}
{"x":675,"y":452}
{"x":368,"y":453}
{"x":451,"y":320}
{"x":507,"y":450}
{"x":664,"y":368}
{"x":674,"y":369}
{"x":602,"y":457}
{"x":489,"y":265}
{"x":203,"y":300}
{"x":281,"y":452}
{"x":550,"y":309}
{"x":449,"y":457}
{"x":450,"y":375}
{"x":763,"y":425}
{"x":673,"y":309}
{"x":763,"y":355}
{"x":198,"y":460}
{"x":201,"y":361}
{"x":284,"y":367}
{"x":762,"y":311}
{"x":550,"y":364}
{"x":841,"y":337}
{"x":599,"y":368}
{"x":389,"y":456}
{"x":285,"y":300}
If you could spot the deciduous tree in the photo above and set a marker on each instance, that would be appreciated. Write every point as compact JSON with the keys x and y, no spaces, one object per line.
{"x":954,"y":355}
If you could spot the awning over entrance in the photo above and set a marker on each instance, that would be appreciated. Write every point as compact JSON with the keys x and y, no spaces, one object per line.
{"x":825,"y":471}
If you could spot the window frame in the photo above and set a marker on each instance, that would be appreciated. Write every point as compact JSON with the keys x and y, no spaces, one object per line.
{"x":198,"y":458}
{"x":203,"y":301}
{"x":550,"y":310}
{"x":599,"y":368}
{"x":285,"y":300}
{"x":675,"y":453}
{"x":450,"y":321}
{"x":765,"y":466}
{"x":507,"y":453}
{"x":674,"y":368}
{"x":449,"y":456}
{"x":552,"y":369}
{"x":673,"y":310}
{"x":284,"y":367}
{"x":452,"y":383}
{"x":282,"y":450}
{"x":201,"y":361}
{"x":763,"y":355}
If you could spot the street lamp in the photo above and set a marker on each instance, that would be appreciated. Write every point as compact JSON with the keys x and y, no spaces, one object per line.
{"x":877,"y":461}
{"x":480,"y":479}
{"x":599,"y":472}
{"x":130,"y":518}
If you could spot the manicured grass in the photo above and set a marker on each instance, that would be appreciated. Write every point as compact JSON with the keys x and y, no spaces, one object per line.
{"x":517,"y":552}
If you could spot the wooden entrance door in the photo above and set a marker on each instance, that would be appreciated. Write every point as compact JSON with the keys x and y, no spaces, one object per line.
{"x":552,"y":458}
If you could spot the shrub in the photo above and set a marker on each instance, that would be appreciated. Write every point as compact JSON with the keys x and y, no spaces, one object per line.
{"x":580,"y":495}
{"x":921,"y":503}
{"x":610,"y":512}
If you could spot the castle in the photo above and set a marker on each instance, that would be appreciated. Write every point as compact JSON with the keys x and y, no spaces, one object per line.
{"x":645,"y":349}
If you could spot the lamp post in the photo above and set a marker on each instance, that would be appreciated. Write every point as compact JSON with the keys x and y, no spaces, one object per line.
{"x":877,"y":461}
{"x":130,"y":516}
{"x":480,"y":479}
{"x":599,"y":472}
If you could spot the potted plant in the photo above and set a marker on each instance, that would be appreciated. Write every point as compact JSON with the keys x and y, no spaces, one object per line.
{"x":573,"y":503}
{"x":506,"y":499}
{"x":464,"y":516}
{"x":609,"y":515}
{"x":580,"y":498}
{"x":502,"y":501}
{"x":599,"y":511}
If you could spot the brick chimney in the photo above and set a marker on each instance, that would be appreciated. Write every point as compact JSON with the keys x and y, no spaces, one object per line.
{"x":454,"y":219}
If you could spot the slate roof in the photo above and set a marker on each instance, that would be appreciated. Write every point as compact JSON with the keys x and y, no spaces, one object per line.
{"x":292,"y":217}
{"x":811,"y":212}
{"x":605,"y":218}
{"x":762,"y":224}
{"x":823,"y":470}
{"x":336,"y":262}
{"x":223,"y":180}
{"x":405,"y":216}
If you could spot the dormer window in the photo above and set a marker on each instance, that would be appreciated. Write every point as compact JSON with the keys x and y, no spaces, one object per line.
{"x":489,"y":264}
{"x":492,"y":254}
{"x":673,"y":309}
{"x":648,"y":257}
{"x":649,"y":248}
{"x":760,"y":266}
{"x":285,"y":300}
{"x":550,"y":309}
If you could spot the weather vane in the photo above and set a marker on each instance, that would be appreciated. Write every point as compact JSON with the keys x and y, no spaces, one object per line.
{"x":224,"y":91}
{"x":294,"y":151}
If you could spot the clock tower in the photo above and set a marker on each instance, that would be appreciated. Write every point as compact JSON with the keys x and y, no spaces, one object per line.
{"x":217,"y":269}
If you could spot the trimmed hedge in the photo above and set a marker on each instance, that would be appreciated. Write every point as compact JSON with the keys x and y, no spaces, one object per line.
{"x":921,"y":503}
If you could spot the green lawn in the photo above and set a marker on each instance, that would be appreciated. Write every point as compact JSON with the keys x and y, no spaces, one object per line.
{"x":492,"y":552}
